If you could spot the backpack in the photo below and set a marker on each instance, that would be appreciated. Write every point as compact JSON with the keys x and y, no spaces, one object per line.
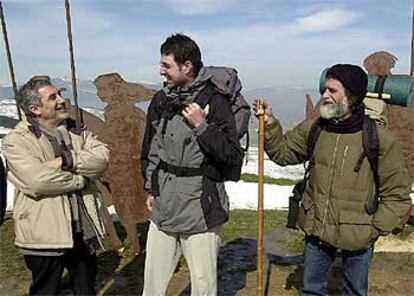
{"x":370,"y":144}
{"x":226,"y":82}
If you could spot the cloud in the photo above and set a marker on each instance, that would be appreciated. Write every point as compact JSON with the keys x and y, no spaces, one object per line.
{"x":265,"y":54}
{"x":43,"y":33}
{"x":197,"y":7}
{"x":272,"y":55}
{"x":89,"y":22}
{"x":26,"y":1}
{"x":325,"y":20}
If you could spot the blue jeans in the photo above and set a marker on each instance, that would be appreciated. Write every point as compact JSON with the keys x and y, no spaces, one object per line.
{"x":318,"y":260}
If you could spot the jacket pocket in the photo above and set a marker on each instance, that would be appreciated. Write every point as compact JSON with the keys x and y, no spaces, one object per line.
{"x":355,"y":230}
{"x":214,"y":213}
{"x":44,"y":223}
{"x":306,"y":216}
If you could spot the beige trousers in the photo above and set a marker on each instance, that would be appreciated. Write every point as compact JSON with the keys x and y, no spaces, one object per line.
{"x":164,"y":251}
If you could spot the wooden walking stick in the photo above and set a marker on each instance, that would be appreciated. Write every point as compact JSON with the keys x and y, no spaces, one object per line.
{"x":9,"y":60}
{"x":79,"y":117}
{"x":260,"y":111}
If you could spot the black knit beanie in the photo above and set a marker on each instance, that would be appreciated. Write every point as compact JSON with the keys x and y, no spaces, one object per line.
{"x":352,"y":77}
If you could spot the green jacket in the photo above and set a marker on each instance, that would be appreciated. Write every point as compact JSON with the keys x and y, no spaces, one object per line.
{"x":332,"y":206}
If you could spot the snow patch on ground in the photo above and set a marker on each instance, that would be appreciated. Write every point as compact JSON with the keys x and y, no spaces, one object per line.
{"x":292,"y":172}
{"x":244,"y":195}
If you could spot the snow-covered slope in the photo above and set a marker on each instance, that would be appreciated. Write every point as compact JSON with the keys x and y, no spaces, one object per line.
{"x":8,"y":115}
{"x":242,"y":195}
{"x":270,"y":168}
{"x":9,"y":118}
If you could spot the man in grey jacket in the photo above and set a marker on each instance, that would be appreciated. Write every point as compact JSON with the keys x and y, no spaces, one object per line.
{"x":190,"y":147}
{"x":53,"y":163}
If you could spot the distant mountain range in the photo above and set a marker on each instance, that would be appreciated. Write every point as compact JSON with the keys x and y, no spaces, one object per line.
{"x":288,"y":103}
{"x":86,"y":91}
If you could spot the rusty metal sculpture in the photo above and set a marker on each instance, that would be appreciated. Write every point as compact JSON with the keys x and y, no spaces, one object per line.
{"x":380,"y":63}
{"x":122,"y":130}
{"x":124,"y":125}
{"x":400,"y":119}
{"x":97,"y":126}
{"x":311,"y":111}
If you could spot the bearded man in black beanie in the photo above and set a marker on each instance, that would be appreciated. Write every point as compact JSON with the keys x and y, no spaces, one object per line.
{"x":340,"y":182}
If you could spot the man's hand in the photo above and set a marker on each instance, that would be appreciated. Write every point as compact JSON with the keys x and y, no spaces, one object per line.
{"x":150,"y":201}
{"x":194,"y":114}
{"x":54,"y":163}
{"x":268,"y":114}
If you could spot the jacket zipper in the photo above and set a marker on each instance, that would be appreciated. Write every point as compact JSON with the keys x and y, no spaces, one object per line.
{"x":329,"y":184}
{"x":343,"y":159}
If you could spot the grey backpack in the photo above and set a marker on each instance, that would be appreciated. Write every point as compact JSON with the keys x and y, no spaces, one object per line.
{"x":228,"y":84}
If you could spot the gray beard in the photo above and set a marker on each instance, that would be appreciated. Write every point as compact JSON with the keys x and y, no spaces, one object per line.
{"x":332,"y":110}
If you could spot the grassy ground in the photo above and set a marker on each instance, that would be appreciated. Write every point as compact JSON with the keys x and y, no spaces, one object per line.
{"x":268,"y":180}
{"x":391,"y":273}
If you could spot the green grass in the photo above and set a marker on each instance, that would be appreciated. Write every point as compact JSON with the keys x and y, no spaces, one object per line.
{"x":268,"y":180}
{"x":296,"y":245}
{"x":244,"y":223}
{"x":12,"y":267}
{"x":394,"y":269}
{"x":406,"y":232}
{"x":10,"y":259}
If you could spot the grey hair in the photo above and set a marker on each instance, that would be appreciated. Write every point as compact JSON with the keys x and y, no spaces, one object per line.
{"x":29,"y":93}
{"x":355,"y":102}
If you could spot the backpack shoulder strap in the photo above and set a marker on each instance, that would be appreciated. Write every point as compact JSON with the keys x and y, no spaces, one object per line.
{"x":205,"y":95}
{"x":370,"y":145}
{"x":313,"y":138}
{"x":370,"y":142}
{"x":300,"y":187}
{"x":160,"y":103}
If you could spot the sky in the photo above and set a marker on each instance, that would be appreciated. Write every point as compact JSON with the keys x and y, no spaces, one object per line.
{"x":279,"y":43}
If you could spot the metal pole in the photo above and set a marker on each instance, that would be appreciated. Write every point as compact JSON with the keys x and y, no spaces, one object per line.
{"x":9,"y":60}
{"x":79,"y":116}
{"x":412,"y":44}
{"x":260,"y":111}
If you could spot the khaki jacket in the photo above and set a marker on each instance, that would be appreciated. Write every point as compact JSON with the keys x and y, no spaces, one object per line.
{"x":42,"y":211}
{"x":332,"y":206}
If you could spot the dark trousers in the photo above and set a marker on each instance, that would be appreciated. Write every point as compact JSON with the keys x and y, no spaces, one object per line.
{"x":47,"y":271}
{"x":318,"y":260}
